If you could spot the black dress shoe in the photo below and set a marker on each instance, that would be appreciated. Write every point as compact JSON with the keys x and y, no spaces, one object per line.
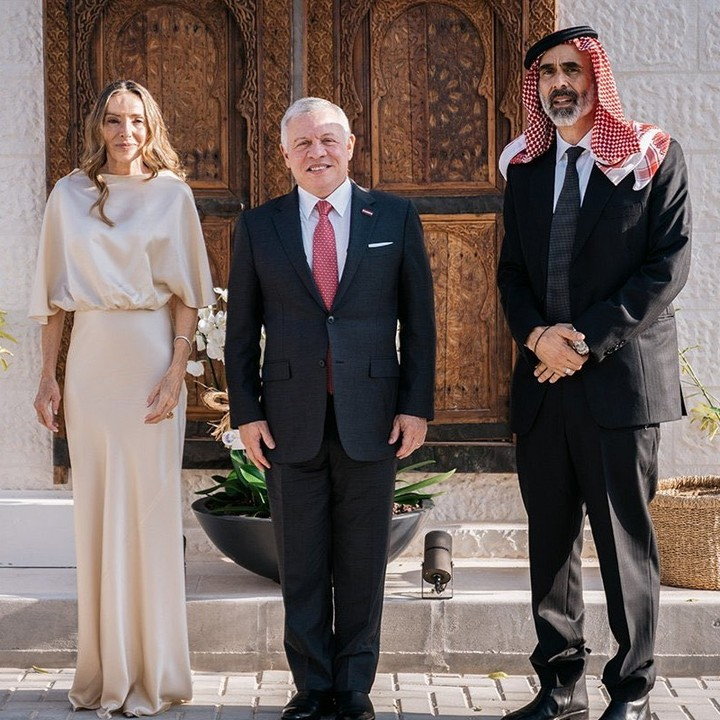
{"x":352,"y":705}
{"x":308,"y":705}
{"x":568,"y":702}
{"x":633,"y":710}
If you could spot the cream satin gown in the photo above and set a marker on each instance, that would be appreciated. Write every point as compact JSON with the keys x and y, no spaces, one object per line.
{"x":132,"y":628}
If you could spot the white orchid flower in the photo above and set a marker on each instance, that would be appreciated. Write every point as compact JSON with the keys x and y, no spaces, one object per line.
{"x":231,"y":440}
{"x":195,"y":368}
{"x":222,"y":293}
{"x":214,"y":352}
{"x":200,"y":341}
{"x":217,"y":337}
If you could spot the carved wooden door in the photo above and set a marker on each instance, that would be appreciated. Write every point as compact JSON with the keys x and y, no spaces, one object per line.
{"x":220,"y":73}
{"x":432,"y":90}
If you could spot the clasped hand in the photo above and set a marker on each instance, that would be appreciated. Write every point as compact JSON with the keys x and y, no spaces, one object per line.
{"x":552,"y":347}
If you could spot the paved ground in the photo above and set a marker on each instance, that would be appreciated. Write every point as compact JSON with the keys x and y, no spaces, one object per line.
{"x":235,"y":620}
{"x":42,"y":695}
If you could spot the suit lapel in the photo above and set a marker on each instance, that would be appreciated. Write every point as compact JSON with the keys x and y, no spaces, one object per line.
{"x":362,"y":221}
{"x":597,"y":194}
{"x":287,"y":225}
{"x":541,"y":190}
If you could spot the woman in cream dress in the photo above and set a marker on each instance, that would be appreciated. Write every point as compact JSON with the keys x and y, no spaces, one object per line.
{"x":122,"y":248}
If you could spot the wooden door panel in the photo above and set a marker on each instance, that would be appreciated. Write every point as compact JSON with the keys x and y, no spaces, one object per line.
{"x":433,"y":99}
{"x":180,"y":53}
{"x":471,"y":368}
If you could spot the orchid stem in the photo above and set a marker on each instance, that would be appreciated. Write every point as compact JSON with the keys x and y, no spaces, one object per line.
{"x":215,"y":377}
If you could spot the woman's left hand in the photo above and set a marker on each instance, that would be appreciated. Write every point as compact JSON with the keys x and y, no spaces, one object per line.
{"x":164,"y":396}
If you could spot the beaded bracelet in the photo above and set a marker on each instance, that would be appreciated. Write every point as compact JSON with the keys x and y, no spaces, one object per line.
{"x":538,"y":340}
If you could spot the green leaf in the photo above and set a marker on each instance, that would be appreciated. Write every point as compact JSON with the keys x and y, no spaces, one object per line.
{"x":209,"y":490}
{"x":499,"y":675}
{"x":252,"y":480}
{"x":412,"y":498}
{"x":432,"y":480}
{"x":239,"y":461}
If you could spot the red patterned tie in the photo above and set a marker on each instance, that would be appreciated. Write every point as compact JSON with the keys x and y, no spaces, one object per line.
{"x":325,"y":267}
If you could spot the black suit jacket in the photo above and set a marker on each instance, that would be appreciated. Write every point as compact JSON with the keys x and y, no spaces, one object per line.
{"x":631,"y":258}
{"x":271,"y":285}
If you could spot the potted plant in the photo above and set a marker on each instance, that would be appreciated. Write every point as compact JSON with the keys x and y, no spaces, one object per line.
{"x":686,"y":510}
{"x":235,"y":512}
{"x":4,"y":352}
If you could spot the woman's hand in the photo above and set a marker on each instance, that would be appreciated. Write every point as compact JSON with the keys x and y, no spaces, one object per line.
{"x":165,"y":395}
{"x":163,"y":398}
{"x":47,"y":402}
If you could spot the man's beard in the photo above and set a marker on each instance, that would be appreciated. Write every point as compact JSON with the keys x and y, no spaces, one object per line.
{"x":569,"y":115}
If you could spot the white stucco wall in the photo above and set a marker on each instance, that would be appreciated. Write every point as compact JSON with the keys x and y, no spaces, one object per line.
{"x":25,"y":448}
{"x":666,"y":58}
{"x":666,"y":55}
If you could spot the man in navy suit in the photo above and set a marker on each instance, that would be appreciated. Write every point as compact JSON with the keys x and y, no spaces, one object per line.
{"x":329,"y":270}
{"x":597,"y":246}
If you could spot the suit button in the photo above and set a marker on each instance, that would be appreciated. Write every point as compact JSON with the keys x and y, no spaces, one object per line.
{"x":331,"y":319}
{"x":321,"y":363}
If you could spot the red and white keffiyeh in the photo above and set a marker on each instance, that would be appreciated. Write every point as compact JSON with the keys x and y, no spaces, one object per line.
{"x":618,"y":146}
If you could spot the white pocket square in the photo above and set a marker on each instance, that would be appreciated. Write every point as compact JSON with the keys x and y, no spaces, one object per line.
{"x":379,"y":244}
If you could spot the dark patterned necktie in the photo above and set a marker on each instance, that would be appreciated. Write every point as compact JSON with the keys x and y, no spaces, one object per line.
{"x":562,"y":239}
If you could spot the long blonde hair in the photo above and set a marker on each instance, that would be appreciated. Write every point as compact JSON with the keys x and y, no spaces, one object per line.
{"x":157,"y":152}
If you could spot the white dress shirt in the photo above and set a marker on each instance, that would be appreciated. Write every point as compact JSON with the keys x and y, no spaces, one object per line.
{"x":339,"y":217}
{"x":584,"y":165}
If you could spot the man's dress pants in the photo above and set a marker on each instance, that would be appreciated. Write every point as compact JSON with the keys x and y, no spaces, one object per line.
{"x":331,"y":517}
{"x":567,"y":466}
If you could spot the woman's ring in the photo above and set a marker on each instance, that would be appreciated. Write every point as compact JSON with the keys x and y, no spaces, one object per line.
{"x":171,"y":414}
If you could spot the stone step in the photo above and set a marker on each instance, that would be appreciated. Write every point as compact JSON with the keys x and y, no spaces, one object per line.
{"x":235,"y":621}
{"x":470,"y":541}
{"x":36,"y":529}
{"x":487,"y":540}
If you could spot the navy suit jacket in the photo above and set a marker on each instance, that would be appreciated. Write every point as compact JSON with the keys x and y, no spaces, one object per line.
{"x":271,"y":286}
{"x":630,"y":259}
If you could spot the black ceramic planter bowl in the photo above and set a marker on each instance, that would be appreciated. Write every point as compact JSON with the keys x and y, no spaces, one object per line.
{"x":250,"y":543}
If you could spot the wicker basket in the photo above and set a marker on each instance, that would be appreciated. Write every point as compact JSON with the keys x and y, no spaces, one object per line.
{"x":686,"y":516}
